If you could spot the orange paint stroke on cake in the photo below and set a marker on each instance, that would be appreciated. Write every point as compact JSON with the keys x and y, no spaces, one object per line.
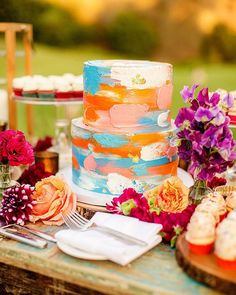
{"x":75,"y":163}
{"x":170,"y":168}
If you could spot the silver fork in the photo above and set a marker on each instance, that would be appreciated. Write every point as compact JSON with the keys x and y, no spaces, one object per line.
{"x":77,"y":222}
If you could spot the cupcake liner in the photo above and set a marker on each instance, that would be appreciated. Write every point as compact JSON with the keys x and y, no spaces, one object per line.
{"x":78,"y":94}
{"x":46,"y":94}
{"x":63,"y":95}
{"x":17,"y":91}
{"x":201,"y":249}
{"x":30,"y":94}
{"x":226,"y":264}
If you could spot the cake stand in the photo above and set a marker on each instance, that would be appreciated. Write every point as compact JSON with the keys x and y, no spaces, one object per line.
{"x":62,"y":141}
{"x":98,"y":199}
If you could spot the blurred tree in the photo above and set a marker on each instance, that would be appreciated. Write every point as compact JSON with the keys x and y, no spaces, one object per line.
{"x":132,"y":34}
{"x":51,"y":24}
{"x":221,"y":44}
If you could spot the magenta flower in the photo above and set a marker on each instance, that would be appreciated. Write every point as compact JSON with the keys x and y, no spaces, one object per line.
{"x":187,"y":93}
{"x":204,"y":137}
{"x":14,"y":149}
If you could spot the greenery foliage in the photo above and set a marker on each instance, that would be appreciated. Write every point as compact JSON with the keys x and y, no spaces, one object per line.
{"x":220,"y":44}
{"x":52,"y":25}
{"x":132,"y":34}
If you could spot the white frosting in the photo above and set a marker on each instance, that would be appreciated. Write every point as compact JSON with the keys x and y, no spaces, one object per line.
{"x":216,"y":201}
{"x":18,"y":83}
{"x":78,"y":84}
{"x":117,"y":183}
{"x":162,"y":119}
{"x":62,"y":86}
{"x":30,"y":85}
{"x":46,"y":84}
{"x":152,"y":151}
{"x":142,"y":77}
{"x":232,"y":215}
{"x":201,"y":229}
{"x":68,"y":77}
{"x":225,"y":245}
{"x":211,"y":208}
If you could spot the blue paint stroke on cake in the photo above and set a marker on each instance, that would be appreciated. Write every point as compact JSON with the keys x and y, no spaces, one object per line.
{"x":110,"y":140}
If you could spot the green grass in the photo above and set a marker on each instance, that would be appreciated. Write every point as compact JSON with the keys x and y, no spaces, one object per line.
{"x":48,"y":60}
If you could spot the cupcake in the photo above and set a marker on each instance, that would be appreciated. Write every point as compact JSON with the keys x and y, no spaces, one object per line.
{"x":69,"y":78}
{"x":231,"y":201}
{"x":216,"y":200}
{"x":18,"y":84}
{"x":200,"y":233}
{"x":30,"y":88}
{"x":225,"y":245}
{"x":46,"y":89}
{"x":210,"y":207}
{"x":63,"y":90}
{"x":232,"y":215}
{"x":78,"y":86}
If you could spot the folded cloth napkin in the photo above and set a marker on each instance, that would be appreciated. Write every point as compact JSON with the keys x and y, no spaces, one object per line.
{"x":114,"y":249}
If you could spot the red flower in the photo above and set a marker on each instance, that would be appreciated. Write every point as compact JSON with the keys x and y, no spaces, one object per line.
{"x":34,"y":174}
{"x":14,"y":149}
{"x":216,"y":181}
{"x":43,"y":144}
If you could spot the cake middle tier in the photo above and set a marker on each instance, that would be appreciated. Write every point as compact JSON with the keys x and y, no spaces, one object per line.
{"x":110,"y":162}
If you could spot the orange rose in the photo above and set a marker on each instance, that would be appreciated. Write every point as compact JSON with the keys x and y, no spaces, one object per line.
{"x":171,"y":196}
{"x":53,"y":195}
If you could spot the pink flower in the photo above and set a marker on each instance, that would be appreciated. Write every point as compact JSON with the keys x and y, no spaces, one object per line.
{"x":14,"y":149}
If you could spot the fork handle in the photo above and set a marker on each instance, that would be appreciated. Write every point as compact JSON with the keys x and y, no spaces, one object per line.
{"x":120,"y":235}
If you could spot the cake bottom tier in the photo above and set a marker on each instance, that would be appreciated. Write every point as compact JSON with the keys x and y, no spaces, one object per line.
{"x":108,"y":163}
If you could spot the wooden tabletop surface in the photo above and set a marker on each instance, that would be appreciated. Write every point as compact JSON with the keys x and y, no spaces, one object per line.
{"x":156,"y":272}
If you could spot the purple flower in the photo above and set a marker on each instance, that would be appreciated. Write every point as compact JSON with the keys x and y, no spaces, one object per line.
{"x":188,"y":93}
{"x":215,"y":98}
{"x":228,"y":101}
{"x":203,"y":115}
{"x":184,"y":117}
{"x":203,"y":97}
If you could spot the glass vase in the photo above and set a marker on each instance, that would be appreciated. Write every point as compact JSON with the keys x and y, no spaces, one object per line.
{"x":198,"y":191}
{"x":5,"y":176}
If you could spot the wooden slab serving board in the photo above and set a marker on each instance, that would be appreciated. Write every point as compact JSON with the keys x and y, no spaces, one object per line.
{"x":204,"y":268}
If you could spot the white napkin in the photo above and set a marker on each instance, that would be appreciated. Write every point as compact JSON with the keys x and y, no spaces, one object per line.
{"x":114,"y":249}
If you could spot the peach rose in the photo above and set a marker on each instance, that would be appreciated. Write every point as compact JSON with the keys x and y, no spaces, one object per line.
{"x":171,"y":196}
{"x":53,"y":195}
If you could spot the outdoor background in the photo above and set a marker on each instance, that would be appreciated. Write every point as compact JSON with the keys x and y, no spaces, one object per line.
{"x":197,"y":36}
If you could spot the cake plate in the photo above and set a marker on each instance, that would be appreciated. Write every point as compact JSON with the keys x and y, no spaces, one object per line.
{"x":98,"y":199}
{"x":48,"y":101}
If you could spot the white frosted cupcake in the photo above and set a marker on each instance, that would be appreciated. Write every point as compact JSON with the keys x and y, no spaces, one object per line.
{"x":225,"y":245}
{"x":200,"y":233}
{"x":30,"y":88}
{"x":18,"y":84}
{"x":211,"y":208}
{"x":63,"y":90}
{"x":68,"y":77}
{"x":232,"y":215}
{"x":78,"y":86}
{"x":216,"y":200}
{"x":46,"y":89}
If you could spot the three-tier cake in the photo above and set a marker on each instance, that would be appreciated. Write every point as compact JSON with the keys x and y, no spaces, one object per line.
{"x":125,"y":137}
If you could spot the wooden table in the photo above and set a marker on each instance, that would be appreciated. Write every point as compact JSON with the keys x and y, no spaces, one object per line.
{"x":27,"y":270}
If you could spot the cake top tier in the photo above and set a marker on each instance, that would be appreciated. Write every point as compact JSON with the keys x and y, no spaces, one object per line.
{"x":127,"y":93}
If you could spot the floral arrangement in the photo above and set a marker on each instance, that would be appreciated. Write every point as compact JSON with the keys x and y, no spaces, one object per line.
{"x":14,"y":149}
{"x":43,"y":144}
{"x":52,"y":196}
{"x":17,"y":204}
{"x":33,"y":174}
{"x":166,"y":204}
{"x":204,"y":139}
